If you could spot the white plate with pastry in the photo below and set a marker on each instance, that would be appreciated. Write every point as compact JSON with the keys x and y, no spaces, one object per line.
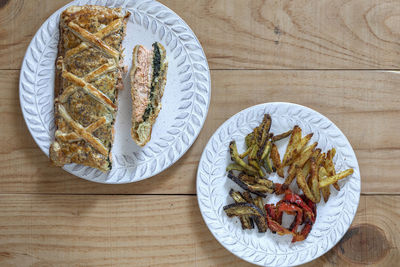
{"x":99,"y":133}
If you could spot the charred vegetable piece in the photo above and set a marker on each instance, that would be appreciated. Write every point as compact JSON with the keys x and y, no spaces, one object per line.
{"x":235,"y":157}
{"x":258,"y":201}
{"x":241,"y":209}
{"x":264,"y":128}
{"x":281,"y":136}
{"x":247,"y":196}
{"x":257,"y":190}
{"x":247,"y":178}
{"x":332,"y":179}
{"x":264,"y":181}
{"x":245,"y":220}
{"x":260,"y":223}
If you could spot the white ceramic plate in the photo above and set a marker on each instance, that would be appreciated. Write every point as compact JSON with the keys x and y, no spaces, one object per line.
{"x":333,"y":218}
{"x":184,"y":104}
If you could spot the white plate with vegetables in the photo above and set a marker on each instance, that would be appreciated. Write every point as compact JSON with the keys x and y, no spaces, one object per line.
{"x":271,"y":220}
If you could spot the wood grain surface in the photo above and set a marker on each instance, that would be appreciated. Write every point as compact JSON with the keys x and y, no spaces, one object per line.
{"x":54,"y":230}
{"x":237,"y":34}
{"x":339,"y":57}
{"x":363,"y":104}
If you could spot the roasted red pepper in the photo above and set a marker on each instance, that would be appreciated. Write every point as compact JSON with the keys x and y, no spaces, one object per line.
{"x":304,"y":233}
{"x":296,"y":199}
{"x":303,"y":208}
{"x":271,"y":210}
{"x":275,"y":227}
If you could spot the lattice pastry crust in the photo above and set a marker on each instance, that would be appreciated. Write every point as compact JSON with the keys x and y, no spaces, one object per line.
{"x":88,"y":76}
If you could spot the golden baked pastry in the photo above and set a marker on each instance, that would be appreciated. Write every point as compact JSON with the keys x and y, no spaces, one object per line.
{"x":88,"y":76}
{"x":148,"y":79}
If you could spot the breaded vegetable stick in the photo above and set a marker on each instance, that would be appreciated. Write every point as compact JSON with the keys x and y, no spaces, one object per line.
{"x":330,"y":167}
{"x":326,"y":192}
{"x":314,"y":181}
{"x":235,"y":157}
{"x":301,"y":182}
{"x":276,"y":160}
{"x":293,"y":141}
{"x":281,"y":136}
{"x":332,"y":179}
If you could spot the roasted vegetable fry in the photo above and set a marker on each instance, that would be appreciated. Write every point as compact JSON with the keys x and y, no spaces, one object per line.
{"x":253,"y":160}
{"x":301,"y":182}
{"x":276,"y":160}
{"x":281,"y":136}
{"x":258,"y":201}
{"x":320,"y":159}
{"x":264,"y":181}
{"x":235,"y":157}
{"x":257,"y":189}
{"x":248,"y":209}
{"x":247,"y":196}
{"x":234,"y":167}
{"x":249,"y":139}
{"x":246,"y":153}
{"x":326,"y":192}
{"x":330,"y":167}
{"x":264,"y":128}
{"x":314,"y":181}
{"x":245,"y":220}
{"x":262,"y":227}
{"x":300,"y":146}
{"x":332,"y":179}
{"x":306,"y":167}
{"x":247,"y":178}
{"x":293,"y":141}
{"x":267,"y":150}
{"x":241,"y":209}
{"x":268,"y":165}
{"x":299,"y":162}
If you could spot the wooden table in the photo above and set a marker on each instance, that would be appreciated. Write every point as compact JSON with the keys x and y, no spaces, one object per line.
{"x":338,"y":57}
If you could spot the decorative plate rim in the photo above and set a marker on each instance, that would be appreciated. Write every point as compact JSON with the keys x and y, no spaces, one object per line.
{"x":229,"y":245}
{"x":199,"y":87}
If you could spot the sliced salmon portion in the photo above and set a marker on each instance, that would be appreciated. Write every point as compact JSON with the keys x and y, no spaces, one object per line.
{"x":141,"y":82}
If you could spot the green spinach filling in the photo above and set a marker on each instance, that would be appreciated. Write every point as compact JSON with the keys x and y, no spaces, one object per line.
{"x":156,"y":74}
